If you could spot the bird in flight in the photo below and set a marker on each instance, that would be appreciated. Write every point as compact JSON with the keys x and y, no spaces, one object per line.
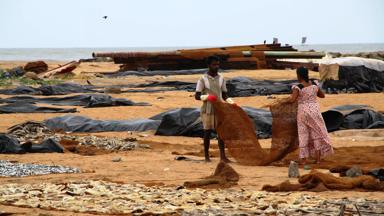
{"x":105,"y":17}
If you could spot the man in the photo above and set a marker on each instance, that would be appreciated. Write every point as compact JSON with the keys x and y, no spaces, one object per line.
{"x":211,"y":87}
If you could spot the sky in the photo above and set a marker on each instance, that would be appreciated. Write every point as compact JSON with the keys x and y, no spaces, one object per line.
{"x":187,"y":23}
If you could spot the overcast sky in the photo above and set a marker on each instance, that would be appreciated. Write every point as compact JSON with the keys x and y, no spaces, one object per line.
{"x":149,"y":23}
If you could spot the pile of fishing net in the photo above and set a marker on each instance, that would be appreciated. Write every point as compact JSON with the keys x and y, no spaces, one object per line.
{"x":317,"y":181}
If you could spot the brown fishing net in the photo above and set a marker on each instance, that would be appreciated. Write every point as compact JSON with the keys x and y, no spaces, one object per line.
{"x":224,"y":176}
{"x":317,"y":181}
{"x":284,"y":129}
{"x":237,"y":131}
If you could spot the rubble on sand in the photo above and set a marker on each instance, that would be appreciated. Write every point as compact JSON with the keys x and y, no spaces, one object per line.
{"x":107,"y":143}
{"x":100,"y":197}
{"x":35,"y":132}
{"x":8,"y":169}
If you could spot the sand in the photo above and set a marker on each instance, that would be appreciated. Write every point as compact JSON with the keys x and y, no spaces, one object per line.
{"x":157,"y":166}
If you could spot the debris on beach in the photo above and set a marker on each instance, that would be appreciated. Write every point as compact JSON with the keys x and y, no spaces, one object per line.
{"x":14,"y":72}
{"x":107,"y":143}
{"x":36,"y":66}
{"x":35,"y":132}
{"x":62,"y":70}
{"x":8,"y":169}
{"x":31,"y":75}
{"x":101,"y":197}
{"x":317,"y":181}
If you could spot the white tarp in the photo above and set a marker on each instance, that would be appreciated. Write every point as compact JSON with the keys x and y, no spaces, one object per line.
{"x":373,"y":64}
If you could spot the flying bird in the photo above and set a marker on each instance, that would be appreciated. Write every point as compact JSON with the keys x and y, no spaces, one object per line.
{"x":105,"y":17}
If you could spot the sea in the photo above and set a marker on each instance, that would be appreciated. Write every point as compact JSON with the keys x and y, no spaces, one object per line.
{"x":67,"y":54}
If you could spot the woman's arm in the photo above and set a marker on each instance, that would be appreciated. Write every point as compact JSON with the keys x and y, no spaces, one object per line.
{"x":320,"y":93}
{"x":294,"y":95}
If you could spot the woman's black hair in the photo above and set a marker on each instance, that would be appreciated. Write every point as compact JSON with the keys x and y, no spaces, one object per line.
{"x":211,"y":59}
{"x":302,"y":73}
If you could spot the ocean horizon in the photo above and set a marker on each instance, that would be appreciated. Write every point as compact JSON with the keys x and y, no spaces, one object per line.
{"x":66,"y":54}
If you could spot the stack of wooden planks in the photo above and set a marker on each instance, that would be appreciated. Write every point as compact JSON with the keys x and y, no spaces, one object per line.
{"x":233,"y":57}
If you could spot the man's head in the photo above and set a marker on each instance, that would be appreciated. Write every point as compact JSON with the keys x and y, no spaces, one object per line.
{"x":213,"y":63}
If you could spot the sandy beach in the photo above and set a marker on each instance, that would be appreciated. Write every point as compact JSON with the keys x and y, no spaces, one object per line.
{"x":157,"y":167}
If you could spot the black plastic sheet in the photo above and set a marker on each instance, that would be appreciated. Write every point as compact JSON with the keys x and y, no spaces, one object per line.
{"x":59,"y":89}
{"x":74,"y":123}
{"x":85,"y":100}
{"x":21,"y":107}
{"x":10,"y":145}
{"x":187,"y":122}
{"x":352,"y":117}
{"x":359,"y":78}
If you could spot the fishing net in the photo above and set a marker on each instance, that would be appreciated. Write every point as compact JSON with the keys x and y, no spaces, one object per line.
{"x":316,"y":181}
{"x":238,"y":133}
{"x":224,"y":176}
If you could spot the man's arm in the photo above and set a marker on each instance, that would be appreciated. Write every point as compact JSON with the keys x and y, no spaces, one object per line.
{"x":199,"y":89}
{"x":225,"y":95}
{"x":197,"y":95}
{"x":224,"y":91}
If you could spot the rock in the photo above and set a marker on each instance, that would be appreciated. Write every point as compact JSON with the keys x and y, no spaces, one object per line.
{"x":116,"y":159}
{"x":31,"y":75}
{"x":181,"y":157}
{"x":36,"y":66}
{"x":354,"y":172}
{"x":293,"y":170}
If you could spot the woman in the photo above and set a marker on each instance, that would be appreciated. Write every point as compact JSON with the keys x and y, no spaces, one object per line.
{"x":313,"y":136}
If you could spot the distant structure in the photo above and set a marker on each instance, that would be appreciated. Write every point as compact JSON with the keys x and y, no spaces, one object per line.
{"x":303,"y":40}
{"x":105,"y":17}
{"x":275,"y":41}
